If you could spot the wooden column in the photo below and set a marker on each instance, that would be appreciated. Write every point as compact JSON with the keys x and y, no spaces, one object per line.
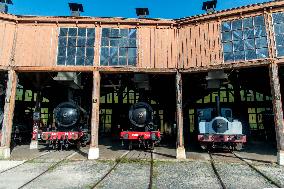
{"x":8,"y":114}
{"x":179,"y":118}
{"x":94,"y":145}
{"x":278,"y":111}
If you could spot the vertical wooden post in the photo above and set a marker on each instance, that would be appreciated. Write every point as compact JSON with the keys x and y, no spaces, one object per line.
{"x":8,"y":114}
{"x":278,"y":111}
{"x":94,"y":146}
{"x":179,"y":115}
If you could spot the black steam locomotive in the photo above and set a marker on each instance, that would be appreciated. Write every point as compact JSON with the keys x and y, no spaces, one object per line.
{"x":70,"y":127}
{"x":142,"y":130}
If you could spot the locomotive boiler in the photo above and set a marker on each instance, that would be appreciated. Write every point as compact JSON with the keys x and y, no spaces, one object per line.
{"x":217,"y":128}
{"x":141,"y":131}
{"x":70,"y":127}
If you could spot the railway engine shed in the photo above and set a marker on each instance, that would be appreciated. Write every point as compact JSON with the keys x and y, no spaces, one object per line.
{"x":105,"y":65}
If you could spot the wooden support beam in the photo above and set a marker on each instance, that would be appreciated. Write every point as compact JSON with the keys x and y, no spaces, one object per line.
{"x":278,"y":111}
{"x":94,"y":145}
{"x":179,"y":117}
{"x":8,"y":114}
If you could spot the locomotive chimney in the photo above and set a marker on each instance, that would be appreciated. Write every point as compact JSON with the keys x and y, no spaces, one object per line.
{"x":4,"y":5}
{"x":218,"y":109}
{"x":76,"y":9}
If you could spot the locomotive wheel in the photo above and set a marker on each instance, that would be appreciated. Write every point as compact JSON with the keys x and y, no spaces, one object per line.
{"x":238,"y":146}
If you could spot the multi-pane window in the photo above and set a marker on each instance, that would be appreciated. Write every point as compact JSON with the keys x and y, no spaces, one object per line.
{"x":278,"y":22}
{"x":76,"y":46}
{"x":118,"y":47}
{"x":244,"y":39}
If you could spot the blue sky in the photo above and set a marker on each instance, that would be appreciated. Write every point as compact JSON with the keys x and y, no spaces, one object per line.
{"x":121,"y":8}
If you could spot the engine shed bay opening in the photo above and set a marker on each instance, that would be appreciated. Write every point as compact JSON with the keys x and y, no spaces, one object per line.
{"x":43,"y":92}
{"x":246,"y":92}
{"x":120,"y":91}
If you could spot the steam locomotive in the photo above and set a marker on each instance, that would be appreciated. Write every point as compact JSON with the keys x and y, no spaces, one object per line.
{"x":70,"y":127}
{"x":142,"y":130}
{"x":219,"y":130}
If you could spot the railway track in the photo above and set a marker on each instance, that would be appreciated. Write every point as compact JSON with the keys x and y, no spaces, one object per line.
{"x":150,"y":186}
{"x":26,"y":161}
{"x":111,"y":170}
{"x":267,"y":178}
{"x":48,"y":169}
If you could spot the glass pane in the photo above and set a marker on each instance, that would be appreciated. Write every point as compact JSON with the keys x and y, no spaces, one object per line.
{"x":132,"y":61}
{"x":122,"y":51}
{"x":132,"y":52}
{"x":226,"y":36}
{"x":104,"y":52}
{"x":89,"y":61}
{"x":114,"y":61}
{"x":81,"y":42}
{"x":114,"y":33}
{"x":90,"y":52}
{"x":91,"y":32}
{"x":72,"y":41}
{"x":262,"y":53}
{"x":248,"y":34}
{"x":260,"y":31}
{"x":71,"y":51}
{"x":279,"y":40}
{"x":63,"y":32}
{"x":80,"y":60}
{"x":70,"y":60}
{"x":278,"y":17}
{"x":260,"y":42}
{"x":105,"y":32}
{"x":258,"y":21}
{"x":236,"y":24}
{"x":123,"y":32}
{"x":90,"y":42}
{"x":104,"y":61}
{"x":237,"y":35}
{"x":279,"y":28}
{"x":123,"y":42}
{"x":132,"y":33}
{"x":228,"y":57}
{"x":249,"y":44}
{"x":80,"y":51}
{"x":82,"y":32}
{"x":62,"y":51}
{"x":228,"y":47}
{"x":105,"y":42}
{"x":226,"y":26}
{"x":238,"y":45}
{"x":239,"y":55}
{"x":248,"y":23}
{"x":122,"y":61}
{"x":113,"y":52}
{"x":250,"y":54}
{"x":132,"y":42}
{"x":61,"y":60}
{"x":114,"y":42}
{"x":72,"y":32}
{"x":280,"y":51}
{"x":62,"y":41}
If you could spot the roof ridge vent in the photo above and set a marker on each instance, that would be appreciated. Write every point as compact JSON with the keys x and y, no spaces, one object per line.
{"x":209,"y":6}
{"x":4,"y":5}
{"x":76,"y":9}
{"x":142,"y":12}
